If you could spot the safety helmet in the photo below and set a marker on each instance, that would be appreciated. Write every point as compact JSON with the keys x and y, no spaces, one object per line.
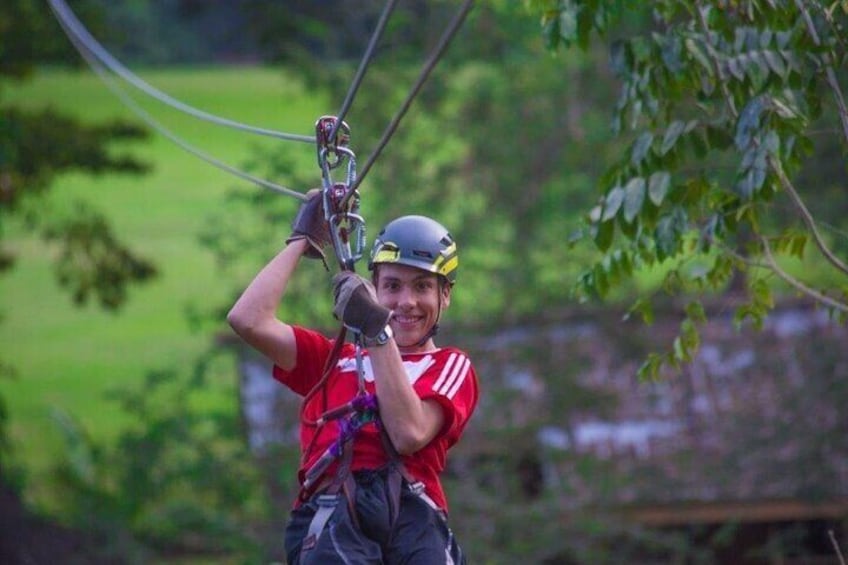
{"x":416,"y":241}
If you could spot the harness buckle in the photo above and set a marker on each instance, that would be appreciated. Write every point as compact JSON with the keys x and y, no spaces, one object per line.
{"x":327,"y":500}
{"x":416,"y":488}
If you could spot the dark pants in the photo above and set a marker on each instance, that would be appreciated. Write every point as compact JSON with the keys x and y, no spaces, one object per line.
{"x":420,"y":534}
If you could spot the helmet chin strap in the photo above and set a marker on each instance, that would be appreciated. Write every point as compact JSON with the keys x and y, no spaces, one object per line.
{"x":433,"y":331}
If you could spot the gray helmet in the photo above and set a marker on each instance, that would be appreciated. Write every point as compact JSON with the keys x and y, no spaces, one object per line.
{"x":416,"y":241}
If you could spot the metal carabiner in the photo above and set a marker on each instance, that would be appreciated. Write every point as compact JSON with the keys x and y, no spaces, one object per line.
{"x":341,"y":208}
{"x":342,"y":153}
{"x":330,"y":139}
{"x":345,"y":228}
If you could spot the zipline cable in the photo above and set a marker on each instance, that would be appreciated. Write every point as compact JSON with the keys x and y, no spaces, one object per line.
{"x":75,"y":29}
{"x":363,"y":65}
{"x":110,"y":82}
{"x":444,"y":41}
{"x":100,"y":60}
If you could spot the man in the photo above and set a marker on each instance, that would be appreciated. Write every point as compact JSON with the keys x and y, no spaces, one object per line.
{"x":376,"y":424}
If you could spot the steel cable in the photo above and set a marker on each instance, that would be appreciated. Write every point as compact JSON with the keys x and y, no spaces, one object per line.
{"x":110,"y":82}
{"x":363,"y":65}
{"x":75,"y":29}
{"x":448,"y":35}
{"x":102,"y":61}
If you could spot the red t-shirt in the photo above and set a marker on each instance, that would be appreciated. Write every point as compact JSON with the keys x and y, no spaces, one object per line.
{"x":444,"y":375}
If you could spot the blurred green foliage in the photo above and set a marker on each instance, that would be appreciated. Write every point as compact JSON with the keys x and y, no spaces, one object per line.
{"x":505,"y":145}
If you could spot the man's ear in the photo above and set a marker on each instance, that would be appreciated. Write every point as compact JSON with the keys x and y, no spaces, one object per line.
{"x":446,"y":294}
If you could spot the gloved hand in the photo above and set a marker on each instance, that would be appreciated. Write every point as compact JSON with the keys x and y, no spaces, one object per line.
{"x":310,"y":224}
{"x":356,"y":305}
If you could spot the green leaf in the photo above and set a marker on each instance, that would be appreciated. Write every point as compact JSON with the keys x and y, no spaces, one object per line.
{"x":799,"y":243}
{"x":775,"y":63}
{"x":628,"y":229}
{"x":575,"y":237}
{"x":603,"y":235}
{"x":771,"y":144}
{"x":634,"y":197}
{"x":612,"y":204}
{"x":641,"y":147}
{"x":698,"y":53}
{"x":672,"y":282}
{"x":748,"y":122}
{"x":666,"y":238}
{"x":670,"y":51}
{"x":650,"y":368}
{"x":765,"y":38}
{"x":644,"y":308}
{"x":601,"y":281}
{"x":695,"y":312}
{"x":624,"y":262}
{"x":744,"y":187}
{"x":550,"y":31}
{"x":758,"y":176}
{"x":595,"y":214}
{"x":567,"y":22}
{"x":748,"y":158}
{"x":735,"y":68}
{"x":712,"y":230}
{"x":658,"y":186}
{"x":783,"y":109}
{"x":671,"y":134}
{"x":679,"y":350}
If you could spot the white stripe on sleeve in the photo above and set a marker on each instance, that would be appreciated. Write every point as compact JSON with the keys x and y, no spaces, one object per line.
{"x":445,"y":371}
{"x":463,"y":371}
{"x":452,"y":375}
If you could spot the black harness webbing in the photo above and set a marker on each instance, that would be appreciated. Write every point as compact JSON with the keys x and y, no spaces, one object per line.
{"x":343,"y":484}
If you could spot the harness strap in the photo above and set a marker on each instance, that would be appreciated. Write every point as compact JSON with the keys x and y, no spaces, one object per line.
{"x":397,"y":474}
{"x":341,"y":485}
{"x":417,"y":489}
{"x":326,"y":506}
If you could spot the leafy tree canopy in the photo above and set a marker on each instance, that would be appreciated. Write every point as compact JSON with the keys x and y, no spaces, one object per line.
{"x":722,"y":104}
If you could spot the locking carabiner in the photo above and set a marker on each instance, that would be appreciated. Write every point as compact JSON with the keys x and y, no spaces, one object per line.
{"x":341,"y":201}
{"x":331,"y":138}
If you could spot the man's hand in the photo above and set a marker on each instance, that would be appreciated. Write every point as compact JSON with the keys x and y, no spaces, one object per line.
{"x":356,"y":305}
{"x":310,"y":224}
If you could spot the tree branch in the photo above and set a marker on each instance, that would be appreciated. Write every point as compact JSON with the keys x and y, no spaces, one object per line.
{"x":771,"y":265}
{"x":828,"y":68}
{"x":775,"y":164}
{"x":787,"y":185}
{"x":798,"y":285}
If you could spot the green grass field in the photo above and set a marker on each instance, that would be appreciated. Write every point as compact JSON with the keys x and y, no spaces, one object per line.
{"x":67,"y":357}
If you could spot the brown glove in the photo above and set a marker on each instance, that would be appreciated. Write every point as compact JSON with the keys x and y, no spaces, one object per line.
{"x":356,"y":305}
{"x":310,"y":224}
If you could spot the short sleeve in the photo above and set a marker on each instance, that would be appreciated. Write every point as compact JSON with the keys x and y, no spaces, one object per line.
{"x":312,"y":351}
{"x":452,"y":382}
